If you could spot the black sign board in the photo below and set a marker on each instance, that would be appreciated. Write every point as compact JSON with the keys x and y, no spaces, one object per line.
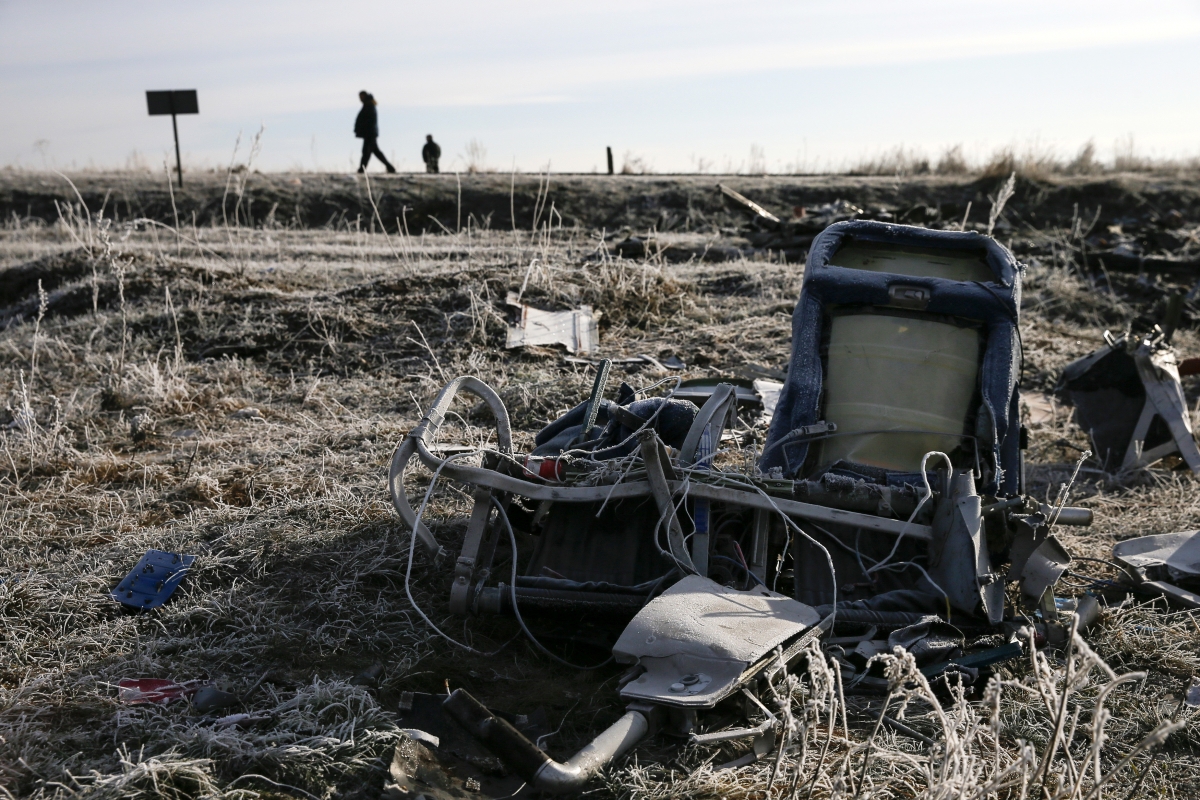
{"x":179,"y":101}
{"x":174,"y":101}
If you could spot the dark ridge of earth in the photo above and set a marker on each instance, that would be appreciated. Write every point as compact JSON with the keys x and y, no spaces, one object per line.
{"x":638,"y":203}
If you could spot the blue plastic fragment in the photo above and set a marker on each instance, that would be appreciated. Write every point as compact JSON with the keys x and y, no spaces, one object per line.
{"x":153,"y":580}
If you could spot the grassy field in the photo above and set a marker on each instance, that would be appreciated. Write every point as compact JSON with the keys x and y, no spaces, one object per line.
{"x":235,"y":391}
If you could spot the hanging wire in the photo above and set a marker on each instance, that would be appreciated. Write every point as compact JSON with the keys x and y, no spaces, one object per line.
{"x":920,"y":504}
{"x":412,"y":544}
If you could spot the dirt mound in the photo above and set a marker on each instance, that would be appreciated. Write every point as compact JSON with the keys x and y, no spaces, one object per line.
{"x":416,"y":204}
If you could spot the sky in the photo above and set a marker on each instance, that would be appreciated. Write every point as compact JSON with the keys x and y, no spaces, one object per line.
{"x":673,"y":85}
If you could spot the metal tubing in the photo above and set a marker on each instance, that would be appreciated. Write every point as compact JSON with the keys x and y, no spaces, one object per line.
{"x":623,"y":734}
{"x":416,"y":444}
{"x":178,"y":161}
{"x":737,"y":497}
{"x":520,"y":754}
{"x":1069,"y":515}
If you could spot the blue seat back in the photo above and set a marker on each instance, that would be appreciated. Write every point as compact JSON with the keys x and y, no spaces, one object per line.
{"x":962,"y":279}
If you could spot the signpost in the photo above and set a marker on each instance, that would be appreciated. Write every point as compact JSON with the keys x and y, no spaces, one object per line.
{"x":176,"y":101}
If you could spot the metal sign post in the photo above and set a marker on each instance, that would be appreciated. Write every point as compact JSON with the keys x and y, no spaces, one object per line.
{"x":175,"y":101}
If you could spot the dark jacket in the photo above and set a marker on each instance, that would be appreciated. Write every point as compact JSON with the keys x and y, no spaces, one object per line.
{"x":431,"y":152}
{"x":366,"y":125}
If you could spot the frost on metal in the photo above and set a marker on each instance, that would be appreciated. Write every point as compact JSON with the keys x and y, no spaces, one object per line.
{"x":575,"y":329}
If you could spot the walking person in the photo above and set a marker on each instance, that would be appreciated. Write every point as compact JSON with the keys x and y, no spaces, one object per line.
{"x":366,"y":127}
{"x":431,"y":153}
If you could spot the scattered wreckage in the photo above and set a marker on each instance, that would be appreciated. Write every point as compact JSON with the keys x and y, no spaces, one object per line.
{"x":1128,"y":397}
{"x":885,"y":507}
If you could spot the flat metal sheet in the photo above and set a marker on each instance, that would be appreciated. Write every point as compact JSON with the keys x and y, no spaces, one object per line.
{"x":575,"y":329}
{"x":662,"y":682}
{"x":698,"y":638}
{"x":700,"y":617}
{"x":1178,"y":552}
{"x":1045,"y":566}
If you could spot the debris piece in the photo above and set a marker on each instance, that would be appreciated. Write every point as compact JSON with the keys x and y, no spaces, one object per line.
{"x":1044,"y":567}
{"x":247,"y":413}
{"x":1086,"y":608}
{"x":1128,"y":398}
{"x":699,"y":628}
{"x":1156,"y":563}
{"x":141,"y":426}
{"x":672,"y":362}
{"x":666,"y":364}
{"x":929,"y":640}
{"x":595,"y":401}
{"x":1164,"y":556}
{"x":576,"y":329}
{"x":672,"y":419}
{"x":423,"y":737}
{"x":416,"y":772}
{"x":768,"y":392}
{"x":987,"y":658}
{"x":210,"y":698}
{"x":763,"y":743}
{"x":153,"y":580}
{"x":156,"y":691}
{"x":532,"y":764}
{"x":1192,"y":697}
{"x":747,"y":205}
{"x":456,"y":747}
{"x":698,"y":390}
{"x":1163,"y":589}
{"x":1087,"y":611}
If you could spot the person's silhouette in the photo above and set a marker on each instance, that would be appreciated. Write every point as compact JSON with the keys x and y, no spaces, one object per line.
{"x":366,"y":127}
{"x":431,"y":153}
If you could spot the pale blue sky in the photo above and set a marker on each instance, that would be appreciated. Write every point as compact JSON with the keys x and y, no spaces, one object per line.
{"x":813,"y":84}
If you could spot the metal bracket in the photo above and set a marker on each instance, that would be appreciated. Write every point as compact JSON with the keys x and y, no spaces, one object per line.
{"x":479,"y":545}
{"x":662,"y":497}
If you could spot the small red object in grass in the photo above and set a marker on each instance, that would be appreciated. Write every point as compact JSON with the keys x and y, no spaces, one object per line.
{"x":159,"y":691}
{"x":1189,"y":366}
